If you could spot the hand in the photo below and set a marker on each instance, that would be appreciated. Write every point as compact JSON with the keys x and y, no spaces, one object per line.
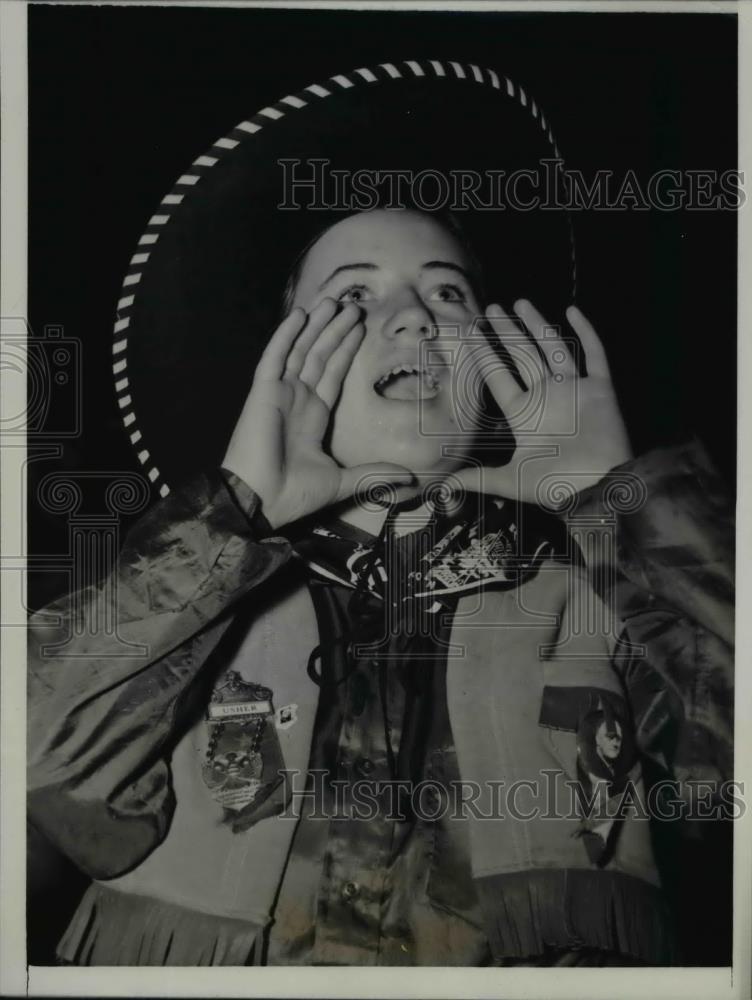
{"x":276,"y":447}
{"x":568,"y":428}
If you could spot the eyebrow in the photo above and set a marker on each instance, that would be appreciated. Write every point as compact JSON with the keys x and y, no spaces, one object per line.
{"x":448,"y":265}
{"x":347,"y":267}
{"x":430,"y":265}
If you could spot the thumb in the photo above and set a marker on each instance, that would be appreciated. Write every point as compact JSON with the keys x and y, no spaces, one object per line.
{"x":373,"y":481}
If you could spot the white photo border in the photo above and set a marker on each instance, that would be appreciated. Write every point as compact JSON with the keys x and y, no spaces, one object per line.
{"x":15,"y":977}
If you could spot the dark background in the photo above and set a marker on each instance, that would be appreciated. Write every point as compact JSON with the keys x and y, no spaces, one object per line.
{"x":121,"y":100}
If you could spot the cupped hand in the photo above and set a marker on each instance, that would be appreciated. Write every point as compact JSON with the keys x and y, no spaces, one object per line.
{"x":568,"y":428}
{"x":277,"y":445}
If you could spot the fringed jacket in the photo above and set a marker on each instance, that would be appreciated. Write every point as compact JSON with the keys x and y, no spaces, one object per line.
{"x":126,"y":724}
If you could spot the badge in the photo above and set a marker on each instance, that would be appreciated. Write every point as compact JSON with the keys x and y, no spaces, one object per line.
{"x":605,"y":746}
{"x":244,"y":757}
{"x":606,"y":760}
{"x":286,"y":716}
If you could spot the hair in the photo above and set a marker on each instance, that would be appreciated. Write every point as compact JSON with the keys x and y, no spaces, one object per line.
{"x":447,"y":220}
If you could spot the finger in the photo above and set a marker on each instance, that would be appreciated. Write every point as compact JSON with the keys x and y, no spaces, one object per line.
{"x":360,"y":475}
{"x":327,"y":342}
{"x":596,"y":361}
{"x":309,"y":415}
{"x":553,"y":347}
{"x":527,"y":363}
{"x":524,"y":365}
{"x":273,"y":359}
{"x":317,"y":321}
{"x":338,"y":365}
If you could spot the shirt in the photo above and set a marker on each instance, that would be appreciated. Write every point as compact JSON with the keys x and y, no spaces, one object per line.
{"x":370,"y":880}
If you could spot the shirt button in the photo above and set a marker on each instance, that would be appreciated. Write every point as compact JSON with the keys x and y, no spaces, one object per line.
{"x":363,"y":766}
{"x":350,"y":890}
{"x":341,"y":768}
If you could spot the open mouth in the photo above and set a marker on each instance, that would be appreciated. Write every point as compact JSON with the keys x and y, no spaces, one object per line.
{"x":407,"y":382}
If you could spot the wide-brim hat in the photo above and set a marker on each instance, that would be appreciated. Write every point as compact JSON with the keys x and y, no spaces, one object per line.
{"x":205,"y":284}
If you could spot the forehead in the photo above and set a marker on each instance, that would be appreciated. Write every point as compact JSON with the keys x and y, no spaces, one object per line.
{"x":610,"y":730}
{"x":383,"y":237}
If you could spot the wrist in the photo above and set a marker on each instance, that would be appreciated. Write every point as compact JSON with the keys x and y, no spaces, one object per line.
{"x":249,"y":502}
{"x":584,"y":487}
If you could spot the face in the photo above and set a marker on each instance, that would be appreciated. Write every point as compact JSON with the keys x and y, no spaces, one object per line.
{"x":410,"y":277}
{"x":608,"y":740}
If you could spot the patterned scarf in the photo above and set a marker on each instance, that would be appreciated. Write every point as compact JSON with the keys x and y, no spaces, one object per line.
{"x":404,"y":591}
{"x":485,"y":541}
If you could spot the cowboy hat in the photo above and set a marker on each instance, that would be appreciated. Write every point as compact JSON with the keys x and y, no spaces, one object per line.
{"x":205,"y":284}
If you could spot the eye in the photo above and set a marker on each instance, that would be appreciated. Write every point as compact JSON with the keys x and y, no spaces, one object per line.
{"x":355,"y":293}
{"x":448,"y":293}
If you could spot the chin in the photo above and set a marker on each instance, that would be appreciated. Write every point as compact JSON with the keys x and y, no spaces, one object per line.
{"x":421,"y":458}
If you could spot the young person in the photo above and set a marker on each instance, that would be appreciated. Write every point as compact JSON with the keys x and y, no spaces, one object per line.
{"x":326,"y":665}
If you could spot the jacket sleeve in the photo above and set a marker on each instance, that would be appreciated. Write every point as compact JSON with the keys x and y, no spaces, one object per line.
{"x":111,"y":665}
{"x":670,"y":585}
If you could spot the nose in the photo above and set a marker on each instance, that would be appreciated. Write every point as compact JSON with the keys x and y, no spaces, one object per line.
{"x":410,"y":316}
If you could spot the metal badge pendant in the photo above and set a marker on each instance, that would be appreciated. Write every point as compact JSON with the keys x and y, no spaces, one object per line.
{"x":243,"y":758}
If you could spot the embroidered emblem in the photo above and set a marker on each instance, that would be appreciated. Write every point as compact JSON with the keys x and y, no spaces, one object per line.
{"x":464,"y":559}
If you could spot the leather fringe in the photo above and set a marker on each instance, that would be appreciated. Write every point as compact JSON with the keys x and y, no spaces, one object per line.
{"x":530,"y":913}
{"x":117,"y":928}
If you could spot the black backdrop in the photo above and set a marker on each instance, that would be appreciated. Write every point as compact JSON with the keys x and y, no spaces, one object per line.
{"x":121,"y":100}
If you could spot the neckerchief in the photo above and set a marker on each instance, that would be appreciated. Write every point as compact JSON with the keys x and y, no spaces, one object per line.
{"x":485,"y":541}
{"x":400,"y":583}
